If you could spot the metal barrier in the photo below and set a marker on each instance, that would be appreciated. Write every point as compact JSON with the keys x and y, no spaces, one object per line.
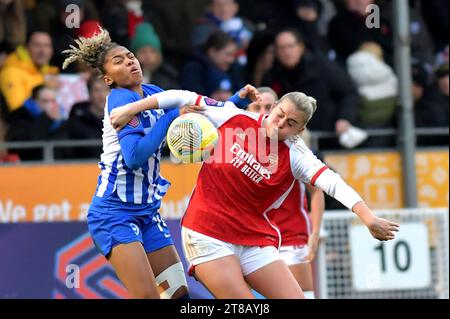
{"x":49,"y":146}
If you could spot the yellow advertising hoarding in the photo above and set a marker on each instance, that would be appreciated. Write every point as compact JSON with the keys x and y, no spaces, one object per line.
{"x":378,"y":177}
{"x":62,"y":192}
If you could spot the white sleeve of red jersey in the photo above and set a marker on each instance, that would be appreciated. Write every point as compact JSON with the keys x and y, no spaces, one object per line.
{"x":175,"y":98}
{"x":218,"y":112}
{"x":309,"y":169}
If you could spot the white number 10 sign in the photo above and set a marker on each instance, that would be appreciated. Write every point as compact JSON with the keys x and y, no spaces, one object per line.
{"x":402,"y":263}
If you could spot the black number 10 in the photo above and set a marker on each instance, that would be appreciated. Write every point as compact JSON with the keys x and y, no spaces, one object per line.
{"x":397,"y":247}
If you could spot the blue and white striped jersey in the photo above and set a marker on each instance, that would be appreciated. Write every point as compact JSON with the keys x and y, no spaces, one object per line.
{"x":144,"y":185}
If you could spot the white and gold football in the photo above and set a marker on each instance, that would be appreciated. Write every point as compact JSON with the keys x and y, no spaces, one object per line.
{"x":191,"y":137}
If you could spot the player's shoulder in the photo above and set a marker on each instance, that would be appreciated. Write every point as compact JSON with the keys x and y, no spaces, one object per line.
{"x":297,"y":145}
{"x":150,"y":89}
{"x":121,"y":96}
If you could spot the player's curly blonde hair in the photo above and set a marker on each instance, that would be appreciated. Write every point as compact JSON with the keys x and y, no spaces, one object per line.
{"x":91,"y":51}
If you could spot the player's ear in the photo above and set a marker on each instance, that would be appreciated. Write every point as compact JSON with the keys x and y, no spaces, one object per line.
{"x":108,"y":81}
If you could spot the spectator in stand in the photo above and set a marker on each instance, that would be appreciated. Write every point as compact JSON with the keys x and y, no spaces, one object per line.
{"x":26,"y":68}
{"x":214,"y":72}
{"x":85,"y":120}
{"x":435,"y":14}
{"x":12,"y":27}
{"x":348,"y":30}
{"x":39,"y":119}
{"x":222,"y":15}
{"x":306,"y":20}
{"x":432,"y":109}
{"x":147,"y":48}
{"x":261,"y":54}
{"x":297,"y":69}
{"x":58,"y":19}
{"x":121,"y":17}
{"x":176,"y":41}
{"x":377,"y":86}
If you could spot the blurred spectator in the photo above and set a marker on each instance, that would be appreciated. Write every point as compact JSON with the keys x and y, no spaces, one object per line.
{"x":377,"y":86}
{"x":435,"y":14}
{"x":26,"y":68}
{"x":307,"y":14}
{"x":297,"y":69}
{"x":12,"y":27}
{"x":261,"y":54}
{"x":420,"y":80}
{"x":432,"y":109}
{"x":268,"y":99}
{"x":38,"y":119}
{"x":441,"y":57}
{"x":62,"y":33}
{"x":267,"y":14}
{"x":214,"y":73}
{"x":147,"y":48}
{"x":348,"y":30}
{"x":222,"y":15}
{"x":176,"y":40}
{"x":5,"y":156}
{"x":85,"y":120}
{"x":120,"y":18}
{"x":422,"y":46}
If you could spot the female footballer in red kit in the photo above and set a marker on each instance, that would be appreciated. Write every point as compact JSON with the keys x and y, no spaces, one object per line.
{"x":228,"y":236}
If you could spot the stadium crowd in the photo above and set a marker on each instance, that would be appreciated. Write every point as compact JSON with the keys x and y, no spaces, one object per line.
{"x":213,"y":47}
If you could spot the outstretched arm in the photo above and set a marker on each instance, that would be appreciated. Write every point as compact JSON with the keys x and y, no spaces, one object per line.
{"x":308,"y":168}
{"x":120,"y":116}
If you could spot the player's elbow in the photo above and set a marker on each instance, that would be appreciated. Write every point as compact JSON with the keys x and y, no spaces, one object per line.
{"x":133,"y":163}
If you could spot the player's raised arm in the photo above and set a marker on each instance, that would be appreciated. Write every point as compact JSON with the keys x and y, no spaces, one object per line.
{"x":164,"y":100}
{"x":192,"y":101}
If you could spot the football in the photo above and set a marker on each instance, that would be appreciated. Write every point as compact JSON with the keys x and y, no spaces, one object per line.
{"x":191,"y":137}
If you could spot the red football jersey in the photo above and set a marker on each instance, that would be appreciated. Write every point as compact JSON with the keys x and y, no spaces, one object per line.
{"x":293,"y":218}
{"x":239,"y":183}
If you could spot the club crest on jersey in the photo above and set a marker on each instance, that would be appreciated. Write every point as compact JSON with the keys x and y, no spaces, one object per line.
{"x":211,"y":102}
{"x":134,"y":122}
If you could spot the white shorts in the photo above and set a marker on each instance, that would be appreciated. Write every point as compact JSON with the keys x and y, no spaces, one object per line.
{"x":199,"y":248}
{"x":293,"y":255}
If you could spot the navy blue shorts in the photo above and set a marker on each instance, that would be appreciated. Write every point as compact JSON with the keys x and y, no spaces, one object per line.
{"x":111,"y":224}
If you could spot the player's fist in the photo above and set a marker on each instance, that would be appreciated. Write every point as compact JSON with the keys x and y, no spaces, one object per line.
{"x":249,"y":91}
{"x":120,"y":116}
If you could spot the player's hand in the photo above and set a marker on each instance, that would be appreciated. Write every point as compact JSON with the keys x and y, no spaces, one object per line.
{"x":120,"y":116}
{"x":313,"y":243}
{"x":382,"y":229}
{"x":250,"y":92}
{"x":191,"y":109}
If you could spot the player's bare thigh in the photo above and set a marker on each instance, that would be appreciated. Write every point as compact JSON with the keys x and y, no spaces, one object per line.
{"x":275,"y":281}
{"x":223,"y":278}
{"x":133,"y":269}
{"x":303,"y":274}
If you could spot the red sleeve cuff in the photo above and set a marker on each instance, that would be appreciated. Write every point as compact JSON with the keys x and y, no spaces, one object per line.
{"x":316,"y":176}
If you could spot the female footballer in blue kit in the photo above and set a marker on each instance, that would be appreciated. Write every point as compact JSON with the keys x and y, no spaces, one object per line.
{"x":123,"y":217}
